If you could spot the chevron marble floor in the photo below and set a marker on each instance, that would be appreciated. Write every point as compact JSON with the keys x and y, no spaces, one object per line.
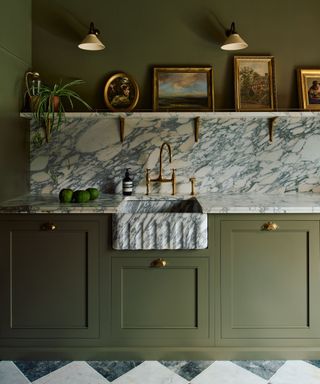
{"x":160,"y":372}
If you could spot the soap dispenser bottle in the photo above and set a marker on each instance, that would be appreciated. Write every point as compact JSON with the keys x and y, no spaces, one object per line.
{"x":127,"y":184}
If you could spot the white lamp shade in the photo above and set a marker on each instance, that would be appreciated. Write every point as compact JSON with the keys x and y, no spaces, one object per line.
{"x":91,"y":43}
{"x":233,"y":43}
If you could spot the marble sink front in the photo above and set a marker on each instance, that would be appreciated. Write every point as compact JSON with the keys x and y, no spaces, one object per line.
{"x":160,"y":223}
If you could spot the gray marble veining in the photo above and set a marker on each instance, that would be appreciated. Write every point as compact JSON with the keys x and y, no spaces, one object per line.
{"x":233,"y":154}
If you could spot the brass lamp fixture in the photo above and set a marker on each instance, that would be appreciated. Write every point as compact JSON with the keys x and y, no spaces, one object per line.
{"x":233,"y":42}
{"x":91,"y":41}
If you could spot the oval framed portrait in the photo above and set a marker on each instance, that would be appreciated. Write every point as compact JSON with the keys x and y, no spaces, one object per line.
{"x":121,"y":93}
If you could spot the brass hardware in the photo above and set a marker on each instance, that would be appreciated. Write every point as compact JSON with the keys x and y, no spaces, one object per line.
{"x":196,"y":128}
{"x":158,"y":263}
{"x":48,"y":227}
{"x":193,"y":181}
{"x":148,"y":180}
{"x":122,"y":121}
{"x":270,"y":226}
{"x":160,"y":178}
{"x":272,"y":121}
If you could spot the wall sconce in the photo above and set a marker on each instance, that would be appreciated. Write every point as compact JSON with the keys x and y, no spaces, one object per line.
{"x":91,"y":41}
{"x":233,"y":42}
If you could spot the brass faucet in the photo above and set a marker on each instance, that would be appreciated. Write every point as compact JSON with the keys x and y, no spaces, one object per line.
{"x":193,"y":182}
{"x":160,"y":178}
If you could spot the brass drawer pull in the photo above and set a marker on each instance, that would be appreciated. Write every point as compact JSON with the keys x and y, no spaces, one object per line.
{"x":158,"y":263}
{"x":270,"y":226}
{"x":48,"y":227}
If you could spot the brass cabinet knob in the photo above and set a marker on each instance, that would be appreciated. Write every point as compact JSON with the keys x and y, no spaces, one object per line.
{"x":48,"y":227}
{"x":270,"y":226}
{"x":158,"y":263}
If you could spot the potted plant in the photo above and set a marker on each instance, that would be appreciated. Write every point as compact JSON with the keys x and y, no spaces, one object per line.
{"x":49,"y":109}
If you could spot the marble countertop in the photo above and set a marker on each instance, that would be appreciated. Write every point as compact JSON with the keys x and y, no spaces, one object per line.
{"x":210,"y":203}
{"x":49,"y":203}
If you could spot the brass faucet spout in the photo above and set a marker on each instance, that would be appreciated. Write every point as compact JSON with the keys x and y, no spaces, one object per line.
{"x":160,"y":178}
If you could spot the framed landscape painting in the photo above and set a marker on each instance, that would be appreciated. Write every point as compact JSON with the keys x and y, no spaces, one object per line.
{"x":255,"y":88}
{"x":309,"y":88}
{"x":182,"y":89}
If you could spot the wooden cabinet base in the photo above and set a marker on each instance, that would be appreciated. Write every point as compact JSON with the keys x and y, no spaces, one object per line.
{"x":160,"y":353}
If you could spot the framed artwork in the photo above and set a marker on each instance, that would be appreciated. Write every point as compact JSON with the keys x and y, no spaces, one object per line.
{"x":309,"y":88}
{"x":254,"y":84}
{"x":182,"y":88}
{"x":121,"y":93}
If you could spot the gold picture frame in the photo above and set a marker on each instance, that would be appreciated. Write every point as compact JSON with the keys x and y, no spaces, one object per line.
{"x":309,"y":88}
{"x":254,"y":83}
{"x":183,"y":88}
{"x":121,"y":93}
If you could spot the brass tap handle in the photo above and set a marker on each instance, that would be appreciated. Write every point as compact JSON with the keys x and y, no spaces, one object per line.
{"x":270,"y":226}
{"x":193,"y":182}
{"x":148,"y":181}
{"x":173,"y":178}
{"x":158,"y":263}
{"x":48,"y":227}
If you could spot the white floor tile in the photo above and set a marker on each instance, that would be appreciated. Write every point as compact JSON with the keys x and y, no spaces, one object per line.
{"x":10,"y":374}
{"x":150,"y":372}
{"x":225,"y":372}
{"x":77,"y":372}
{"x":296,"y":372}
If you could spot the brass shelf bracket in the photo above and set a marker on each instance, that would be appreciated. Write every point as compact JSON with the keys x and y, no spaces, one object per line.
{"x":272,"y":121}
{"x":122,"y":123}
{"x":196,"y":128}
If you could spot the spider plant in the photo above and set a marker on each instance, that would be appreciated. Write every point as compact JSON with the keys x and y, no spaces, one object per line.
{"x":49,"y":109}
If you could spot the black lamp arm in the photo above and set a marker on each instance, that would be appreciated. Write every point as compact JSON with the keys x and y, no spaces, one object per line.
{"x":232,"y":30}
{"x":93,"y":30}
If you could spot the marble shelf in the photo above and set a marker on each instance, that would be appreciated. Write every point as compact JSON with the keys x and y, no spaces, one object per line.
{"x":187,"y":115}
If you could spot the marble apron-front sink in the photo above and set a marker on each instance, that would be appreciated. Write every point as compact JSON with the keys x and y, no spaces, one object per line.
{"x":168,"y":223}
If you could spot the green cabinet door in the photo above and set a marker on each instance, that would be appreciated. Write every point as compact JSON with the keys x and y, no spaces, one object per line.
{"x":270,"y":280}
{"x":155,"y":305}
{"x":49,"y":277}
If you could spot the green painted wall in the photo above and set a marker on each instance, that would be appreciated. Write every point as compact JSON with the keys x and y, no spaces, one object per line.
{"x":142,"y":33}
{"x":15,"y":59}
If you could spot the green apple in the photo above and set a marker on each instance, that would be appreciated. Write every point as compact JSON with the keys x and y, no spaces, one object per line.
{"x":65,"y":195}
{"x":81,"y":196}
{"x":94,"y":193}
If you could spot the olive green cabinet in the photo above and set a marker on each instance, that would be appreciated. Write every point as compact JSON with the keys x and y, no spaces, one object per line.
{"x":49,"y":280}
{"x":269,"y":280}
{"x":161,"y":301}
{"x":65,"y":293}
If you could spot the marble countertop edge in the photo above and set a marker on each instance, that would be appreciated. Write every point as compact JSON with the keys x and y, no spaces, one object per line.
{"x":216,"y":203}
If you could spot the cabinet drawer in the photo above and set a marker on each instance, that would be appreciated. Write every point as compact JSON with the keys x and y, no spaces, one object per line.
{"x":160,"y":305}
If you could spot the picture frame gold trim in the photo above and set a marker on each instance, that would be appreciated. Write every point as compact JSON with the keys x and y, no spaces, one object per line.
{"x":194,"y":93}
{"x":309,"y":88}
{"x":255,"y":89}
{"x":121,"y":93}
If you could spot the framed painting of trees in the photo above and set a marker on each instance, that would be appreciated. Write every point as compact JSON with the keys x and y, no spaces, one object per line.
{"x":254,"y":85}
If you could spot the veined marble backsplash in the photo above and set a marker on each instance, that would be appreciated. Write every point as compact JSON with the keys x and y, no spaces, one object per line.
{"x":233,"y":154}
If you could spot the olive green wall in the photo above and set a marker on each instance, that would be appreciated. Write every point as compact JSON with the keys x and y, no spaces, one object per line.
{"x":142,"y":33}
{"x":15,"y":59}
